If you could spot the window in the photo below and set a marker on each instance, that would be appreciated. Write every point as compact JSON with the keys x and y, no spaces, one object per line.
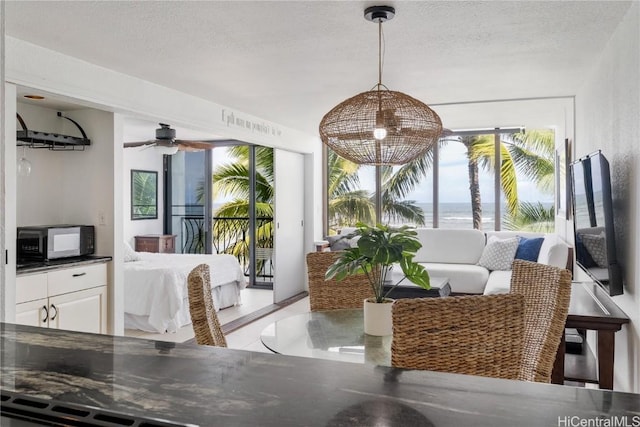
{"x":459,"y":184}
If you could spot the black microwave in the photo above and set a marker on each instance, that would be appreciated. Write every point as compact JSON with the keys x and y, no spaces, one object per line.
{"x":45,"y":242}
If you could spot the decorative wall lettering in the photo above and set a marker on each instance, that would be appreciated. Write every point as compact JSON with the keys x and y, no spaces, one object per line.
{"x":233,"y":119}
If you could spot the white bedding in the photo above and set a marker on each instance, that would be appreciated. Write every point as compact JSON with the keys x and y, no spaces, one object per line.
{"x":156,"y":287}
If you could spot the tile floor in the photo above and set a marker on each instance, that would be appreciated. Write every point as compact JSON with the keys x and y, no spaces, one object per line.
{"x":245,"y":338}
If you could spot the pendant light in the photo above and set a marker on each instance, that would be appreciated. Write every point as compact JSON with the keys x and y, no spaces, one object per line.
{"x":24,"y":165}
{"x":380,"y":127}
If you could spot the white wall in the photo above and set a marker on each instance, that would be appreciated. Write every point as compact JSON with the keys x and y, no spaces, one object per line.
{"x":68,"y":187}
{"x":608,"y":118}
{"x":149,"y":160}
{"x":39,"y":194}
{"x":73,"y":187}
{"x":3,"y":188}
{"x":8,"y":200}
{"x":116,"y":94}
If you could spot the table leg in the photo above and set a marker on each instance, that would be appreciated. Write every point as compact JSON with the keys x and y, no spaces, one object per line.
{"x":557,"y":374}
{"x":606,"y":351}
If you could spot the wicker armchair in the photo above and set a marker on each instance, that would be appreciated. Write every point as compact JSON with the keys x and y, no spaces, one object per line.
{"x":204,"y":319}
{"x":547,"y":291}
{"x":330,"y":294}
{"x":474,"y":335}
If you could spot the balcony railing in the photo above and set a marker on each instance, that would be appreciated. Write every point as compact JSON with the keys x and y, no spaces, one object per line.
{"x":230,"y":235}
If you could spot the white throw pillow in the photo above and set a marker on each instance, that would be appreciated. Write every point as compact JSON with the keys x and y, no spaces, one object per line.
{"x":597,"y":248}
{"x":499,"y":253}
{"x":130,"y":254}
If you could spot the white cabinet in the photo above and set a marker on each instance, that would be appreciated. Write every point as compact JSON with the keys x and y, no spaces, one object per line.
{"x":69,"y":298}
{"x":83,"y":311}
{"x":33,"y":313}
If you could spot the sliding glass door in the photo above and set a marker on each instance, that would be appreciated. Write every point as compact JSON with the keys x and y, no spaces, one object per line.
{"x":220,"y":200}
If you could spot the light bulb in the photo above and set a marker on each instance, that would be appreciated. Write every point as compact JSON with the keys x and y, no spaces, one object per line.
{"x":24,"y":165}
{"x":379,"y":133}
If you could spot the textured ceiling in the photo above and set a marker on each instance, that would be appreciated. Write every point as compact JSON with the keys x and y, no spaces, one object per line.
{"x":291,"y":62}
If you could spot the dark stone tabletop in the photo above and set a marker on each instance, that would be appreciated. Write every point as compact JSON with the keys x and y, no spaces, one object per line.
{"x":210,"y":386}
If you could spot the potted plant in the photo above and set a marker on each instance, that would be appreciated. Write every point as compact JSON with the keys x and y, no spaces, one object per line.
{"x":378,"y":250}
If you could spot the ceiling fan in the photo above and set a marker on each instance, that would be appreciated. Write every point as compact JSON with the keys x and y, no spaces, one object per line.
{"x":166,"y":138}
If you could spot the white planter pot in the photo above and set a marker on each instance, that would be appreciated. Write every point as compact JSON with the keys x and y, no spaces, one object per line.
{"x":377,"y":318}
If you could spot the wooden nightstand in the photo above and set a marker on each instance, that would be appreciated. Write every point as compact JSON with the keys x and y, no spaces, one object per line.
{"x":163,"y":243}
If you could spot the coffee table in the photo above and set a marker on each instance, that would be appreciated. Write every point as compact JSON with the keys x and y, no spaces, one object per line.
{"x":339,"y":334}
{"x":439,"y":288}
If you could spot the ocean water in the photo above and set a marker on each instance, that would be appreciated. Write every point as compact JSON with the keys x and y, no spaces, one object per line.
{"x":454,"y":215}
{"x":459,"y":215}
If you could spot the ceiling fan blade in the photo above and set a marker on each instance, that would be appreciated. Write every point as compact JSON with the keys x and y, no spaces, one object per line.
{"x":139,"y":143}
{"x":188,"y":145}
{"x":165,"y":137}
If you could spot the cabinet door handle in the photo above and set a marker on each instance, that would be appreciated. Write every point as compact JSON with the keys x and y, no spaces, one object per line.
{"x":79,"y":274}
{"x":46,"y":313}
{"x":53,"y":307}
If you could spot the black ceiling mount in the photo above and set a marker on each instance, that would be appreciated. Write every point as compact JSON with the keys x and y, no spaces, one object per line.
{"x":51,"y":141}
{"x":379,"y":13}
{"x":165,"y":132}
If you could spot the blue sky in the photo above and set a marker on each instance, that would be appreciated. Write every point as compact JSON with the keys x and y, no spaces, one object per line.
{"x":454,"y":180}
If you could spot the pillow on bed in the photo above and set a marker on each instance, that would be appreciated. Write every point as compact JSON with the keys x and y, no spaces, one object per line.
{"x":130,"y":254}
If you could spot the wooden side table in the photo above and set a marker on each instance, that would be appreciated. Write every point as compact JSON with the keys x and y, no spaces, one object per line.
{"x":592,"y":308}
{"x":162,"y":243}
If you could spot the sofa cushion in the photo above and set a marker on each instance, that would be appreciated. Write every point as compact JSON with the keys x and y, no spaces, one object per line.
{"x":499,"y":282}
{"x":499,"y":253}
{"x":338,"y":242}
{"x":442,"y":245}
{"x":463,"y":278}
{"x":554,"y":251}
{"x":529,"y":248}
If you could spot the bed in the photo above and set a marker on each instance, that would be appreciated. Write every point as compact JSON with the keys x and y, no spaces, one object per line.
{"x":155,"y":298}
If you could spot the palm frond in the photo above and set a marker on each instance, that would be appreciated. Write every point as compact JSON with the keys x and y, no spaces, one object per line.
{"x":397,"y":185}
{"x":399,"y":211}
{"x":349,"y":208}
{"x":532,"y":217}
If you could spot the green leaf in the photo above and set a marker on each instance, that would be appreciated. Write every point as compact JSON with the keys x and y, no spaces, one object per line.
{"x":415,"y":272}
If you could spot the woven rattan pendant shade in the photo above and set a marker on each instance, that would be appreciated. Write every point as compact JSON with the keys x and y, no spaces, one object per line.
{"x":412,"y":128}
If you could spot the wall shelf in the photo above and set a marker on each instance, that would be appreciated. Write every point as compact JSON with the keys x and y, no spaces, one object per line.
{"x":51,"y":141}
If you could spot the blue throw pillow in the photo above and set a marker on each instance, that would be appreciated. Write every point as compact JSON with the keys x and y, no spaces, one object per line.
{"x":528,"y":249}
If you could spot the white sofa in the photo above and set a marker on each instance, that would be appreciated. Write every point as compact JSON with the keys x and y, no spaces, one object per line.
{"x":455,"y":254}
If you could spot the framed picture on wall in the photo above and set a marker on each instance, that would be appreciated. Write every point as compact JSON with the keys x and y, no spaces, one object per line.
{"x":563,"y":182}
{"x":144,"y":194}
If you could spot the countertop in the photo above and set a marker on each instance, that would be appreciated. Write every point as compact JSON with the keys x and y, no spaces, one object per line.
{"x":31,"y":267}
{"x":210,"y":386}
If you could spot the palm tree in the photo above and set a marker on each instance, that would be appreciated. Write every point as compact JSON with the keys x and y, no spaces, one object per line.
{"x":530,"y":153}
{"x":396,"y":185}
{"x":233,"y":179}
{"x":347,"y":203}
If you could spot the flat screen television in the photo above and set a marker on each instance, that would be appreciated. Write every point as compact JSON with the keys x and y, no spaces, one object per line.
{"x":593,"y":225}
